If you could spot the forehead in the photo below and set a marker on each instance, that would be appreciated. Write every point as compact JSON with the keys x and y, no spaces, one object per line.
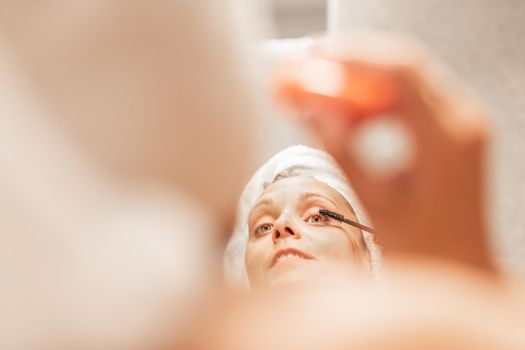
{"x":289,"y":190}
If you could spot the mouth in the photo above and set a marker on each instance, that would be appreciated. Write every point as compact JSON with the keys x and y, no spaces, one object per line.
{"x":288,"y":254}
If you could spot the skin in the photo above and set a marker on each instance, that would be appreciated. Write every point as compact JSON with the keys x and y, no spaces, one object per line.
{"x":436,"y":207}
{"x":286,"y":216}
{"x":439,"y":277}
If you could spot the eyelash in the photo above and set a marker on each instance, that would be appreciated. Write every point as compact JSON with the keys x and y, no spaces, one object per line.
{"x":323,"y":218}
{"x":311,"y":214}
{"x":257,"y":232}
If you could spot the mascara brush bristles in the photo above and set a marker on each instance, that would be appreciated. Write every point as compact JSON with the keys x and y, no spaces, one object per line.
{"x":332,"y":215}
{"x":341,"y":218}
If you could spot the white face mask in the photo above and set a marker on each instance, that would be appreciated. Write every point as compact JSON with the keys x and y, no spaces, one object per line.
{"x":289,"y":240}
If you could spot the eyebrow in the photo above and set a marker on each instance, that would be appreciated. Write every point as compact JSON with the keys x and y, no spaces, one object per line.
{"x":309,"y":195}
{"x":265,"y":201}
{"x":303,"y":197}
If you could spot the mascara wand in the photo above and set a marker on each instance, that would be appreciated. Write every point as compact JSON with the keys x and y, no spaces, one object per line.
{"x":341,"y":218}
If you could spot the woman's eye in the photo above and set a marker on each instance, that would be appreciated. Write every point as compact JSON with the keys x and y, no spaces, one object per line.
{"x":316,"y":219}
{"x":263,"y":229}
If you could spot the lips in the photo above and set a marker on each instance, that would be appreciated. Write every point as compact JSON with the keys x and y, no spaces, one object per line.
{"x":288,"y":253}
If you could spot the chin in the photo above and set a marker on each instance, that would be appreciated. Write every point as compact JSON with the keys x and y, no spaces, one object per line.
{"x":315,"y":273}
{"x":293,"y":274}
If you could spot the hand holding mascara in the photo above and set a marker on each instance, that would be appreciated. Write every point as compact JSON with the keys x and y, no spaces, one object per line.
{"x":436,"y":205}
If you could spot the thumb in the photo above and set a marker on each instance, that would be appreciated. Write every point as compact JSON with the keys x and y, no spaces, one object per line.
{"x":335,"y":132}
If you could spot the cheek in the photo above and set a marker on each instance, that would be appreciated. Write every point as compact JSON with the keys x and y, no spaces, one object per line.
{"x":333,"y":246}
{"x":256,"y":258}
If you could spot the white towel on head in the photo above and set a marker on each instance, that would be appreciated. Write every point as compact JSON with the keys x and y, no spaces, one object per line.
{"x":293,"y":161}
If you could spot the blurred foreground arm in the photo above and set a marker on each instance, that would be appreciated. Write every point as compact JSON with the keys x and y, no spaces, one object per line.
{"x":124,"y":125}
{"x":157,"y":92}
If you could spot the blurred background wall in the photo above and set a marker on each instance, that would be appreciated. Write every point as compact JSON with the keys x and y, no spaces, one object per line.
{"x":483,"y":41}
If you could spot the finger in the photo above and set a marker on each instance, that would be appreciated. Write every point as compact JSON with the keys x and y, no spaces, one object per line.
{"x":335,"y":134}
{"x":426,"y":88}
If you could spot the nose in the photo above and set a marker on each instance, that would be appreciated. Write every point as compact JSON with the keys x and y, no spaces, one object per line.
{"x":284,"y":228}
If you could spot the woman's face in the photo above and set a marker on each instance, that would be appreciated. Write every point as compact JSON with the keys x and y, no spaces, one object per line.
{"x":289,"y":240}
